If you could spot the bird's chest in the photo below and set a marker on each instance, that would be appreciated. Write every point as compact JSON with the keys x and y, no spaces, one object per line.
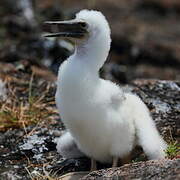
{"x":80,"y":111}
{"x":74,"y":100}
{"x":75,"y":93}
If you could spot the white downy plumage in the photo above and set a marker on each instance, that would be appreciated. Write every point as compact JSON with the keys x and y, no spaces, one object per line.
{"x":101,"y":119}
{"x":67,"y":147}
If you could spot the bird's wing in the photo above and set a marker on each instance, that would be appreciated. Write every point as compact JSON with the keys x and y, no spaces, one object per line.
{"x":113,"y":92}
{"x":116,"y":94}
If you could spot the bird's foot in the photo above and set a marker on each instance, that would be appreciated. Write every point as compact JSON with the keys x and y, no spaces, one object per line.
{"x":115,"y":161}
{"x":124,"y":160}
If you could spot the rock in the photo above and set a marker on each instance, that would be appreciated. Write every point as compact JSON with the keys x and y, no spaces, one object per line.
{"x":37,"y":145}
{"x":157,"y":169}
{"x":19,"y":153}
{"x":74,"y":175}
{"x":70,"y":165}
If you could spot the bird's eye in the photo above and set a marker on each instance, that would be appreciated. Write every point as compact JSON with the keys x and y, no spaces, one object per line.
{"x":83,"y":25}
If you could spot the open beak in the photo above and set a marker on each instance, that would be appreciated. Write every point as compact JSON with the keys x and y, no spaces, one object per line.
{"x":67,"y":29}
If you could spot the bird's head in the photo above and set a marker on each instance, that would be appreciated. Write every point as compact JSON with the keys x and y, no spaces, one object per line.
{"x":88,"y":24}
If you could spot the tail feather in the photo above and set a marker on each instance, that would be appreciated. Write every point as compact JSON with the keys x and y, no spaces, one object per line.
{"x":148,"y":136}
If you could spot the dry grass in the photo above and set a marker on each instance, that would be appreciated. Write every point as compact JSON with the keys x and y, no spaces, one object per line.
{"x":31,"y":108}
{"x":44,"y":175}
{"x":41,"y":176}
{"x":20,"y":114}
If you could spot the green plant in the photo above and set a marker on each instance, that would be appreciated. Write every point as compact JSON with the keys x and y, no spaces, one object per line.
{"x":173,"y":150}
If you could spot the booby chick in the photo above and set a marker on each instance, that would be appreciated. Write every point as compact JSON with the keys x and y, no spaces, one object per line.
{"x":103,"y":121}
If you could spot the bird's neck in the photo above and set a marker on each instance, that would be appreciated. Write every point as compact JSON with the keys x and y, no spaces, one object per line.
{"x":93,"y":53}
{"x":83,"y":66}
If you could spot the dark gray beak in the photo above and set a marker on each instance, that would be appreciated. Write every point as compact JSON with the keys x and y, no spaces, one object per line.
{"x":66,"y":29}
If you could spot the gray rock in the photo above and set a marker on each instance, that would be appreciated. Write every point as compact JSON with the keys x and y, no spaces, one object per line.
{"x":157,"y":169}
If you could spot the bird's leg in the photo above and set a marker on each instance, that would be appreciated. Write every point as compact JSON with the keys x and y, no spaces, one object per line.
{"x":93,"y":165}
{"x":126,"y":159}
{"x":115,"y":161}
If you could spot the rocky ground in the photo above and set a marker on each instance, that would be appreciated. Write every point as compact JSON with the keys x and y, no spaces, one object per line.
{"x":28,"y":148}
{"x":144,"y":58}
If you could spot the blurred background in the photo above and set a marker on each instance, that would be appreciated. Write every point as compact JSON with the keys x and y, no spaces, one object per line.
{"x":145,"y":37}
